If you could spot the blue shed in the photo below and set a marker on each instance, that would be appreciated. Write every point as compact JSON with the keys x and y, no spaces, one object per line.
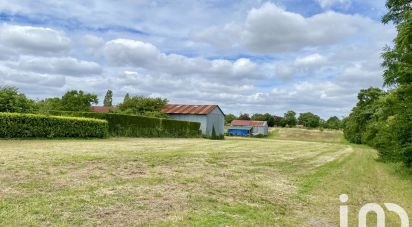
{"x":239,"y":131}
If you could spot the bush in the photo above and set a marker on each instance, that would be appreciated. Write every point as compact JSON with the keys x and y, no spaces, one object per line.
{"x":139,"y":126}
{"x":16,"y":125}
{"x":13,"y":101}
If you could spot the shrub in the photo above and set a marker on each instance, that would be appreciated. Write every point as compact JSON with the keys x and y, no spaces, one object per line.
{"x":214,"y":136}
{"x":16,"y":125}
{"x":13,"y":101}
{"x":140,"y":126}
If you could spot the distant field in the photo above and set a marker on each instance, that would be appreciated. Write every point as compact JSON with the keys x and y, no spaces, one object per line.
{"x":272,"y":181}
{"x":316,"y":135}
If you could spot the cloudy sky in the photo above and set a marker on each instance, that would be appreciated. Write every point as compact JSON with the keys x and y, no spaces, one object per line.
{"x":247,"y":56}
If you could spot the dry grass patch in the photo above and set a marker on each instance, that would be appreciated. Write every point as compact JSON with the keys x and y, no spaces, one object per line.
{"x":155,"y":181}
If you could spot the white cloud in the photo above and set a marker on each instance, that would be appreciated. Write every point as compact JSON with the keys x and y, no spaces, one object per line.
{"x":330,"y":3}
{"x":313,"y":59}
{"x":250,"y":57}
{"x":63,"y":65}
{"x":123,"y":52}
{"x":272,"y":29}
{"x":36,"y":40}
{"x":29,"y":79}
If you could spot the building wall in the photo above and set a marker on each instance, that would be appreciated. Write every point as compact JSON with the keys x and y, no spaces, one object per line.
{"x":214,"y":118}
{"x":202,"y":119}
{"x":260,"y":130}
{"x":217,"y":119}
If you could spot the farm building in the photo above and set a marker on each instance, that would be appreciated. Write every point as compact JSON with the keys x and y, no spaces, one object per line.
{"x":209,"y":116}
{"x":254,"y":127}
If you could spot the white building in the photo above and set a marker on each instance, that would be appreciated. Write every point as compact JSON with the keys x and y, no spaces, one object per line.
{"x":209,"y":116}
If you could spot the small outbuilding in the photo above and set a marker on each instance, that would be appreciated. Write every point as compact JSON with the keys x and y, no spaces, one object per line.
{"x":258,"y":127}
{"x":239,"y":131}
{"x":209,"y":116}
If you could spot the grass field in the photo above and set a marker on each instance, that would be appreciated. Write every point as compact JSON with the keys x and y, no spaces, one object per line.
{"x":292,"y":178}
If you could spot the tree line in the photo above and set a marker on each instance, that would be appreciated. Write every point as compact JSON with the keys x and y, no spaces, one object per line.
{"x":383,"y":119}
{"x":11,"y":100}
{"x":290,"y":119}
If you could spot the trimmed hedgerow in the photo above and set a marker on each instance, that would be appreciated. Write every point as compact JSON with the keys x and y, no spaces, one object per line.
{"x":140,"y":126}
{"x":16,"y":125}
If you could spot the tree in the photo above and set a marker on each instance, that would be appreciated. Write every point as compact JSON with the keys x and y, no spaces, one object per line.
{"x":397,"y":10}
{"x":290,"y":118}
{"x":229,"y":118}
{"x":278,"y":121}
{"x":333,"y":123}
{"x":142,"y":105}
{"x":13,"y":101}
{"x":362,"y":113}
{"x":244,"y":116}
{"x":264,"y":117}
{"x":77,"y":101}
{"x":309,"y":120}
{"x":257,"y":117}
{"x":108,"y":98}
{"x":126,"y":97}
{"x":46,"y":105}
{"x":391,"y":131}
{"x":270,"y":119}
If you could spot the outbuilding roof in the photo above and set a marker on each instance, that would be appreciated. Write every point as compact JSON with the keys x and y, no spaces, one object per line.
{"x":240,"y":127}
{"x":247,"y":123}
{"x":101,"y":109}
{"x":189,"y":109}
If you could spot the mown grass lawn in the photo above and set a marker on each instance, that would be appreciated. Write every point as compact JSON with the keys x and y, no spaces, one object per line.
{"x":239,"y":181}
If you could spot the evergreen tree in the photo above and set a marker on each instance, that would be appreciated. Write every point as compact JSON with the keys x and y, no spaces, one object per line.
{"x":126,"y":98}
{"x":108,"y":98}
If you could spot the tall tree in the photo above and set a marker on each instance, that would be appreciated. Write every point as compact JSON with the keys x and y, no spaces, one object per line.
{"x":77,"y":101}
{"x":108,"y":98}
{"x":126,"y":97}
{"x":393,"y":122}
{"x":290,"y":118}
{"x":362,"y":114}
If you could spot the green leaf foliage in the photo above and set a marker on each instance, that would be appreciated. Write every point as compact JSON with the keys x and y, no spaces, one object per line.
{"x":333,"y":123}
{"x":309,"y":120}
{"x":108,"y":98}
{"x":13,"y":101}
{"x":289,"y":118}
{"x":17,"y":125}
{"x":264,"y":117}
{"x":229,"y":118}
{"x":140,"y":105}
{"x":140,"y":126}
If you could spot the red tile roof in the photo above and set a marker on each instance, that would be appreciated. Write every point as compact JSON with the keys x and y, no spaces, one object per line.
{"x":188,"y":109}
{"x":247,"y":123}
{"x":101,"y":109}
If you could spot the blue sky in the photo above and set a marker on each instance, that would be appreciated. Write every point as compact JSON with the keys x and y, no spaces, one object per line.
{"x":247,"y":56}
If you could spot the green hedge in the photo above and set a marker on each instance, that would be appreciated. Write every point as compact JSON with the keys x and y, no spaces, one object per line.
{"x":140,"y":126}
{"x":15,"y":125}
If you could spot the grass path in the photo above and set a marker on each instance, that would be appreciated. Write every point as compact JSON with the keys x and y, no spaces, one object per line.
{"x":364,"y":180}
{"x":238,"y":181}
